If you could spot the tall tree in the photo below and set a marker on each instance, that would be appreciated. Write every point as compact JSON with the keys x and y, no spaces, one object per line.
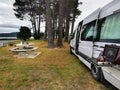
{"x":55,"y":13}
{"x":61,"y":21}
{"x":67,"y":15}
{"x":45,"y":33}
{"x":75,"y":11}
{"x":49,"y":25}
{"x":31,"y":10}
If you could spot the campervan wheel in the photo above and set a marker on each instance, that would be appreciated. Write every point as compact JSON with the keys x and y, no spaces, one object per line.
{"x":95,"y":71}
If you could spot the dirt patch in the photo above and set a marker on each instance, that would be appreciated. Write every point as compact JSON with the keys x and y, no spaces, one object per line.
{"x":27,"y":54}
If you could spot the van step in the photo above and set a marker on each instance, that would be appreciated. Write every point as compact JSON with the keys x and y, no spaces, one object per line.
{"x":99,"y":64}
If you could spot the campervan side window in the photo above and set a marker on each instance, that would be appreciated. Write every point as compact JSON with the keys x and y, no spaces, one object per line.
{"x":110,"y":29}
{"x":87,"y":34}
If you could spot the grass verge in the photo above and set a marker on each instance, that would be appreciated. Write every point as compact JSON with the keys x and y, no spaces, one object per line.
{"x":53,"y":69}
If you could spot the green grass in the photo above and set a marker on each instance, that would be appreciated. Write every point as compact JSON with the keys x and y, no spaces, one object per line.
{"x":53,"y":69}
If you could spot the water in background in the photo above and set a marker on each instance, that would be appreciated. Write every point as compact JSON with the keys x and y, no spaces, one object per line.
{"x":4,"y":42}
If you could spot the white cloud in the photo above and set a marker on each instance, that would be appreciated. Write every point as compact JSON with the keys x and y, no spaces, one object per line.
{"x":8,"y":2}
{"x":7,"y":17}
{"x":3,"y":5}
{"x":88,"y":7}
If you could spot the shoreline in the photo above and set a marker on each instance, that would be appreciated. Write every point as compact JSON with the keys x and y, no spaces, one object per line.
{"x":8,"y":38}
{"x":4,"y":42}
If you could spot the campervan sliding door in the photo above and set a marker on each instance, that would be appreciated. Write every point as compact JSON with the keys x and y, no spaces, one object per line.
{"x":86,"y":41}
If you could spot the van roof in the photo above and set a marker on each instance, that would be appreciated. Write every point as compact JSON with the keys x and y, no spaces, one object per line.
{"x":93,"y":16}
{"x":107,"y":10}
{"x":110,"y":8}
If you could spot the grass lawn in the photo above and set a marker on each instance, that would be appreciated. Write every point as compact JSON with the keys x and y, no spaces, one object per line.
{"x":53,"y":69}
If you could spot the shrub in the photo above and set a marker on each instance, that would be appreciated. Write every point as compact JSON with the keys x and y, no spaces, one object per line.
{"x":24,"y":33}
{"x":38,"y":35}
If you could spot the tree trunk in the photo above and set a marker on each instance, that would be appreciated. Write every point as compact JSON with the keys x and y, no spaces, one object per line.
{"x":60,"y":29}
{"x":67,"y":28}
{"x":32,"y":25}
{"x":39,"y":20}
{"x":67,"y":21}
{"x":34,"y":22}
{"x":74,"y":15}
{"x":45,"y":34}
{"x":56,"y":28}
{"x":53,"y":27}
{"x":49,"y":25}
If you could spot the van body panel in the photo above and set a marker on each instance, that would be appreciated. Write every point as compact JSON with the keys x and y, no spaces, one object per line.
{"x":112,"y":7}
{"x":89,"y":50}
{"x":99,"y":47}
{"x":112,"y":75}
{"x":84,"y":61}
{"x":72,"y":41}
{"x":91,"y":17}
{"x":86,"y":48}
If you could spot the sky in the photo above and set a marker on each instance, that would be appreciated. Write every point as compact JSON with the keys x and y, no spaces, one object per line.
{"x":9,"y":23}
{"x":90,"y":6}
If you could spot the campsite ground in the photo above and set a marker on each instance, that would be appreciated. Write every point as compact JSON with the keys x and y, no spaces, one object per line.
{"x":53,"y":69}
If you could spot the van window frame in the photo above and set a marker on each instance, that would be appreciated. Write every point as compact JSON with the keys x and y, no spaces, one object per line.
{"x":73,"y":35}
{"x":102,"y":21}
{"x":84,"y":27}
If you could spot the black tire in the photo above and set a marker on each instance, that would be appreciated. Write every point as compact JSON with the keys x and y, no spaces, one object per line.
{"x":102,"y":79}
{"x":95,"y":71}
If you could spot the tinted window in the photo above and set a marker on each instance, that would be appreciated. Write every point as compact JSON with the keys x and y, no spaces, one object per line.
{"x":110,"y":30}
{"x":87,"y":34}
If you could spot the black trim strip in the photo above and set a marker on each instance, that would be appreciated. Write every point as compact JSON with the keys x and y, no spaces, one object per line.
{"x":91,"y":60}
{"x":98,"y":46}
{"x":72,"y":47}
{"x":84,"y":56}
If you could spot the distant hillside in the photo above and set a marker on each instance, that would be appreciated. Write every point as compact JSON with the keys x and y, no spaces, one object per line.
{"x":13,"y":34}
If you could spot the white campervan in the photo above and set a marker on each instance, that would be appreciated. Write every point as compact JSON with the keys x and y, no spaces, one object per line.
{"x":96,"y":42}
